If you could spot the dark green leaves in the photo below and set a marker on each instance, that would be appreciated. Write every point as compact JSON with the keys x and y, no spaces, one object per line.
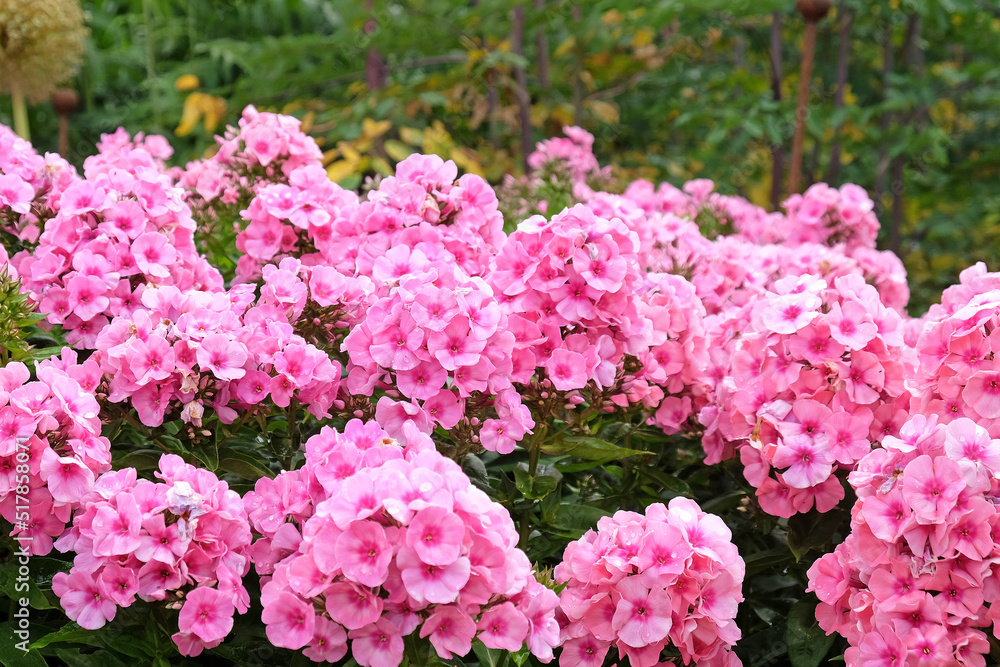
{"x":807,"y":643}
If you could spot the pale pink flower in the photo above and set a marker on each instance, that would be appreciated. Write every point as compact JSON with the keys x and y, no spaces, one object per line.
{"x":289,"y":621}
{"x":223,"y":356}
{"x":377,"y":645}
{"x":207,"y":613}
{"x":436,"y":535}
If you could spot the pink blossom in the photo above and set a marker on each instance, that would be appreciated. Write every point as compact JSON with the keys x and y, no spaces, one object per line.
{"x":377,"y":645}
{"x":290,"y":622}
{"x":82,"y":600}
{"x":207,"y":613}
{"x":503,"y":627}
{"x":451,"y":631}
{"x":223,"y":356}
{"x":364,"y":553}
{"x":436,"y":535}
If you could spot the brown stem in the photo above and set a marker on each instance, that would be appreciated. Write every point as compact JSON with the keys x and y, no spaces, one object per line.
{"x":802,"y":107}
{"x":375,"y":69}
{"x":777,"y":150}
{"x":578,"y":56}
{"x":521,"y":79}
{"x":913,"y":56}
{"x":542,"y":46}
{"x":882,"y":165}
{"x":843,"y":57}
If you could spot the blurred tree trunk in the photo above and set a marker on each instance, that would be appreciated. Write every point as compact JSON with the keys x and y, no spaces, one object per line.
{"x":375,"y":69}
{"x":913,"y":57}
{"x":578,"y":55}
{"x":777,"y":150}
{"x":521,"y":81}
{"x":843,"y":57}
{"x":882,"y":166}
{"x":802,"y":106}
{"x":542,"y":46}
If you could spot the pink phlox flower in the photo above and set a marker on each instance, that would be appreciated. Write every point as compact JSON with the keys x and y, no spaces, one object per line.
{"x":207,"y":613}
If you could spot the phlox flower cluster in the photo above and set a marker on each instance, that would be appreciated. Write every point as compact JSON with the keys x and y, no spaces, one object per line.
{"x":322,"y":304}
{"x":915,"y":583}
{"x":439,"y":341}
{"x":30,"y":186}
{"x":123,"y":151}
{"x":264,"y":148}
{"x":815,"y":375}
{"x":424,"y":204}
{"x":563,"y":172}
{"x":182,"y":542}
{"x":670,"y":579}
{"x":294,"y":219}
{"x":572,"y":155}
{"x":372,"y":541}
{"x":185,"y":351}
{"x":570,"y":286}
{"x":824,"y":214}
{"x":958,"y":373}
{"x":51,"y":447}
{"x":591,"y":326}
{"x":122,"y":228}
{"x":671,"y":382}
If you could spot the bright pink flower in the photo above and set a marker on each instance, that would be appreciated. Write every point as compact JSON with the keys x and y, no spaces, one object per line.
{"x":290,"y":622}
{"x":364,"y":553}
{"x":583,"y":651}
{"x":87,"y":296}
{"x":503,"y":627}
{"x":451,"y":631}
{"x":82,"y":599}
{"x":352,"y":606}
{"x":329,"y":643}
{"x":207,"y":613}
{"x":436,"y":535}
{"x":150,"y":360}
{"x":223,"y":356}
{"x":118,"y":584}
{"x":153,"y":254}
{"x":931,"y":487}
{"x":67,"y":478}
{"x":982,"y":393}
{"x":642,"y":615}
{"x":377,"y":645}
{"x":808,"y":462}
{"x":567,"y":370}
{"x":432,"y":583}
{"x":851,"y":325}
{"x":117,"y":529}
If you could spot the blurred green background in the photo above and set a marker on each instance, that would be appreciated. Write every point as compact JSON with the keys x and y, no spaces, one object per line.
{"x":672,"y":90}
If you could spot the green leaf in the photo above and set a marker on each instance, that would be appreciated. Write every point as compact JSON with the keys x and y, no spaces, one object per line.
{"x":40,"y":573}
{"x":71,"y":633}
{"x":207,"y":453}
{"x":578,"y":518}
{"x":668,"y":482}
{"x":544,"y":482}
{"x":143,"y":459}
{"x":489,"y":657}
{"x":74,"y":658}
{"x":243,"y":465}
{"x":11,"y":655}
{"x":807,"y":643}
{"x":590,"y":448}
{"x":814,"y":530}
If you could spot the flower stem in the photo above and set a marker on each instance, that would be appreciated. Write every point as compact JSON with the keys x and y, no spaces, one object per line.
{"x":534,"y":452}
{"x":20,"y":114}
